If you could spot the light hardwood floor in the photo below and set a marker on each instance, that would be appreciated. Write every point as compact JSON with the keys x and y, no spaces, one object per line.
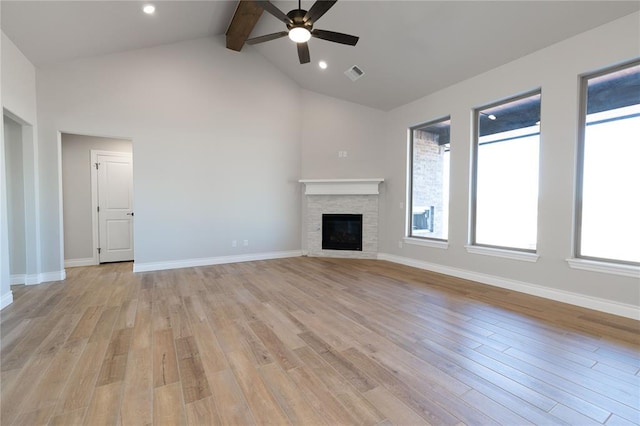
{"x":308,"y":341}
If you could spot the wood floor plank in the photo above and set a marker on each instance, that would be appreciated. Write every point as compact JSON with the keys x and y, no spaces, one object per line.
{"x":231,"y":405}
{"x":71,"y":418}
{"x":192,"y":375}
{"x":82,"y":378}
{"x":347,"y":369}
{"x":137,"y":397}
{"x":258,"y":397}
{"x":358,"y":407}
{"x":50,"y":387}
{"x":165,"y":366}
{"x":35,"y":418}
{"x":103,"y":408}
{"x":283,"y":355}
{"x":297,"y":409}
{"x":114,"y":364}
{"x":202,"y":412}
{"x":87,"y":323}
{"x":321,"y":398}
{"x":14,"y":398}
{"x":395,"y":411}
{"x":308,"y":341}
{"x":168,"y":407}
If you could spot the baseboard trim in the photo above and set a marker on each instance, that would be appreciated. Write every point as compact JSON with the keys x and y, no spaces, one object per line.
{"x":190,"y":263}
{"x":18,"y":279}
{"x":603,"y":305}
{"x":34,"y":279}
{"x":6,"y":299}
{"x":74,"y":263}
{"x":52,"y":276}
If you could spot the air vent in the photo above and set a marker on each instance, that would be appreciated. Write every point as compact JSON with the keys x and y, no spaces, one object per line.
{"x":354,"y":73}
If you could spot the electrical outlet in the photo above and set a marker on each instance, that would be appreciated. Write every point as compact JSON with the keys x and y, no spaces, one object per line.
{"x":234,"y":243}
{"x":245,"y":243}
{"x":401,"y":205}
{"x":400,"y":244}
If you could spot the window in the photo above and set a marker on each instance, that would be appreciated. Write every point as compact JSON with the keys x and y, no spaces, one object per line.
{"x":608,"y":194}
{"x":429,"y":180}
{"x":505,"y":174}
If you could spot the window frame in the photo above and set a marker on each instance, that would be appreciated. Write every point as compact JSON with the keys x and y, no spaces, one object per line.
{"x":474,"y":246}
{"x":580,"y":151}
{"x":427,"y":241}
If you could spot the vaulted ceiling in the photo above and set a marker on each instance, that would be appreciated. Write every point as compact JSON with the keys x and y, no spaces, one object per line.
{"x":407,"y":49}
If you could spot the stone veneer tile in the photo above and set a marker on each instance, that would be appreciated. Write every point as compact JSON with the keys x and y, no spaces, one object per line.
{"x":366,"y":205}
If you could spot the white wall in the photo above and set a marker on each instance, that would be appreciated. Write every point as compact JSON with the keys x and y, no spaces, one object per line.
{"x":76,"y":190}
{"x":6,"y":297}
{"x":555,"y":70}
{"x":215,"y":144}
{"x":15,"y":196}
{"x":17,"y":80}
{"x":330,"y":125}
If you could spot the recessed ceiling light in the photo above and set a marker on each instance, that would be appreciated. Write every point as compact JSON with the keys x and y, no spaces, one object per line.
{"x":149,"y":9}
{"x":322,"y":65}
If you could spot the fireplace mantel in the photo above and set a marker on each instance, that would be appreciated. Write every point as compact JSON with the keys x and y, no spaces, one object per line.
{"x":342,"y":186}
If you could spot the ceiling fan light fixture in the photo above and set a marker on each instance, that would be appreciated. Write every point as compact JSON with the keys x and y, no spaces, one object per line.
{"x":299,"y":34}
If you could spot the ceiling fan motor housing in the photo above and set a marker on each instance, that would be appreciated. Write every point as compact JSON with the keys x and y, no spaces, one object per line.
{"x":297,"y":20}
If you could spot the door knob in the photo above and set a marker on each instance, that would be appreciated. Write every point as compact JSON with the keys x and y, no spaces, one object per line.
{"x":130,"y":214}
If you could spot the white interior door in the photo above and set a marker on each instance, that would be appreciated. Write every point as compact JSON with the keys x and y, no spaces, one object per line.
{"x":115,"y":207}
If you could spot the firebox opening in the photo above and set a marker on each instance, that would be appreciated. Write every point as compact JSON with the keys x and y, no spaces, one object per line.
{"x":342,"y":232}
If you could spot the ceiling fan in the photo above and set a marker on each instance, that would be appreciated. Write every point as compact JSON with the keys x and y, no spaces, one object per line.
{"x":300,"y":27}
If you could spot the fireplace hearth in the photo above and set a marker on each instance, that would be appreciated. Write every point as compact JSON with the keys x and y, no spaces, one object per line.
{"x":342,"y":232}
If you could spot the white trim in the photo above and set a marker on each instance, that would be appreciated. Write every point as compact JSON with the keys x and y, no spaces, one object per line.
{"x":60,"y":203}
{"x":34,"y":279}
{"x":605,"y":267}
{"x":426,"y":242}
{"x":52,"y":276}
{"x":74,"y":263}
{"x":206,"y":261}
{"x":31,"y":279}
{"x":341,"y":186}
{"x":506,"y":254}
{"x":28,"y":279}
{"x":17,"y":279}
{"x":603,"y":305}
{"x":6,"y":299}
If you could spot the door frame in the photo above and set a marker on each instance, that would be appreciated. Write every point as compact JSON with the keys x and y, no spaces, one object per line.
{"x":95,"y":225}
{"x":31,"y":190}
{"x":61,"y":201}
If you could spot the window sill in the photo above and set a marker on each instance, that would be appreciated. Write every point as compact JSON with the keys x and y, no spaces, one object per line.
{"x":506,"y":254}
{"x":605,"y":267}
{"x":426,"y":243}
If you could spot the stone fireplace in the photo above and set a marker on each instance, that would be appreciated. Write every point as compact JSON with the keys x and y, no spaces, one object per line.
{"x":344,"y":197}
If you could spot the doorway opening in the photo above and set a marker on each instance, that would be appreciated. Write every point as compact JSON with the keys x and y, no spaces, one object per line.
{"x":97,"y":188}
{"x":20,"y":166}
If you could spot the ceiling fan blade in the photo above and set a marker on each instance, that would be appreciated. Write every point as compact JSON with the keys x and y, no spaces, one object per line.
{"x":267,"y":37}
{"x":335,"y":37}
{"x":303,"y":53}
{"x":318,"y":9}
{"x":269,"y":7}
